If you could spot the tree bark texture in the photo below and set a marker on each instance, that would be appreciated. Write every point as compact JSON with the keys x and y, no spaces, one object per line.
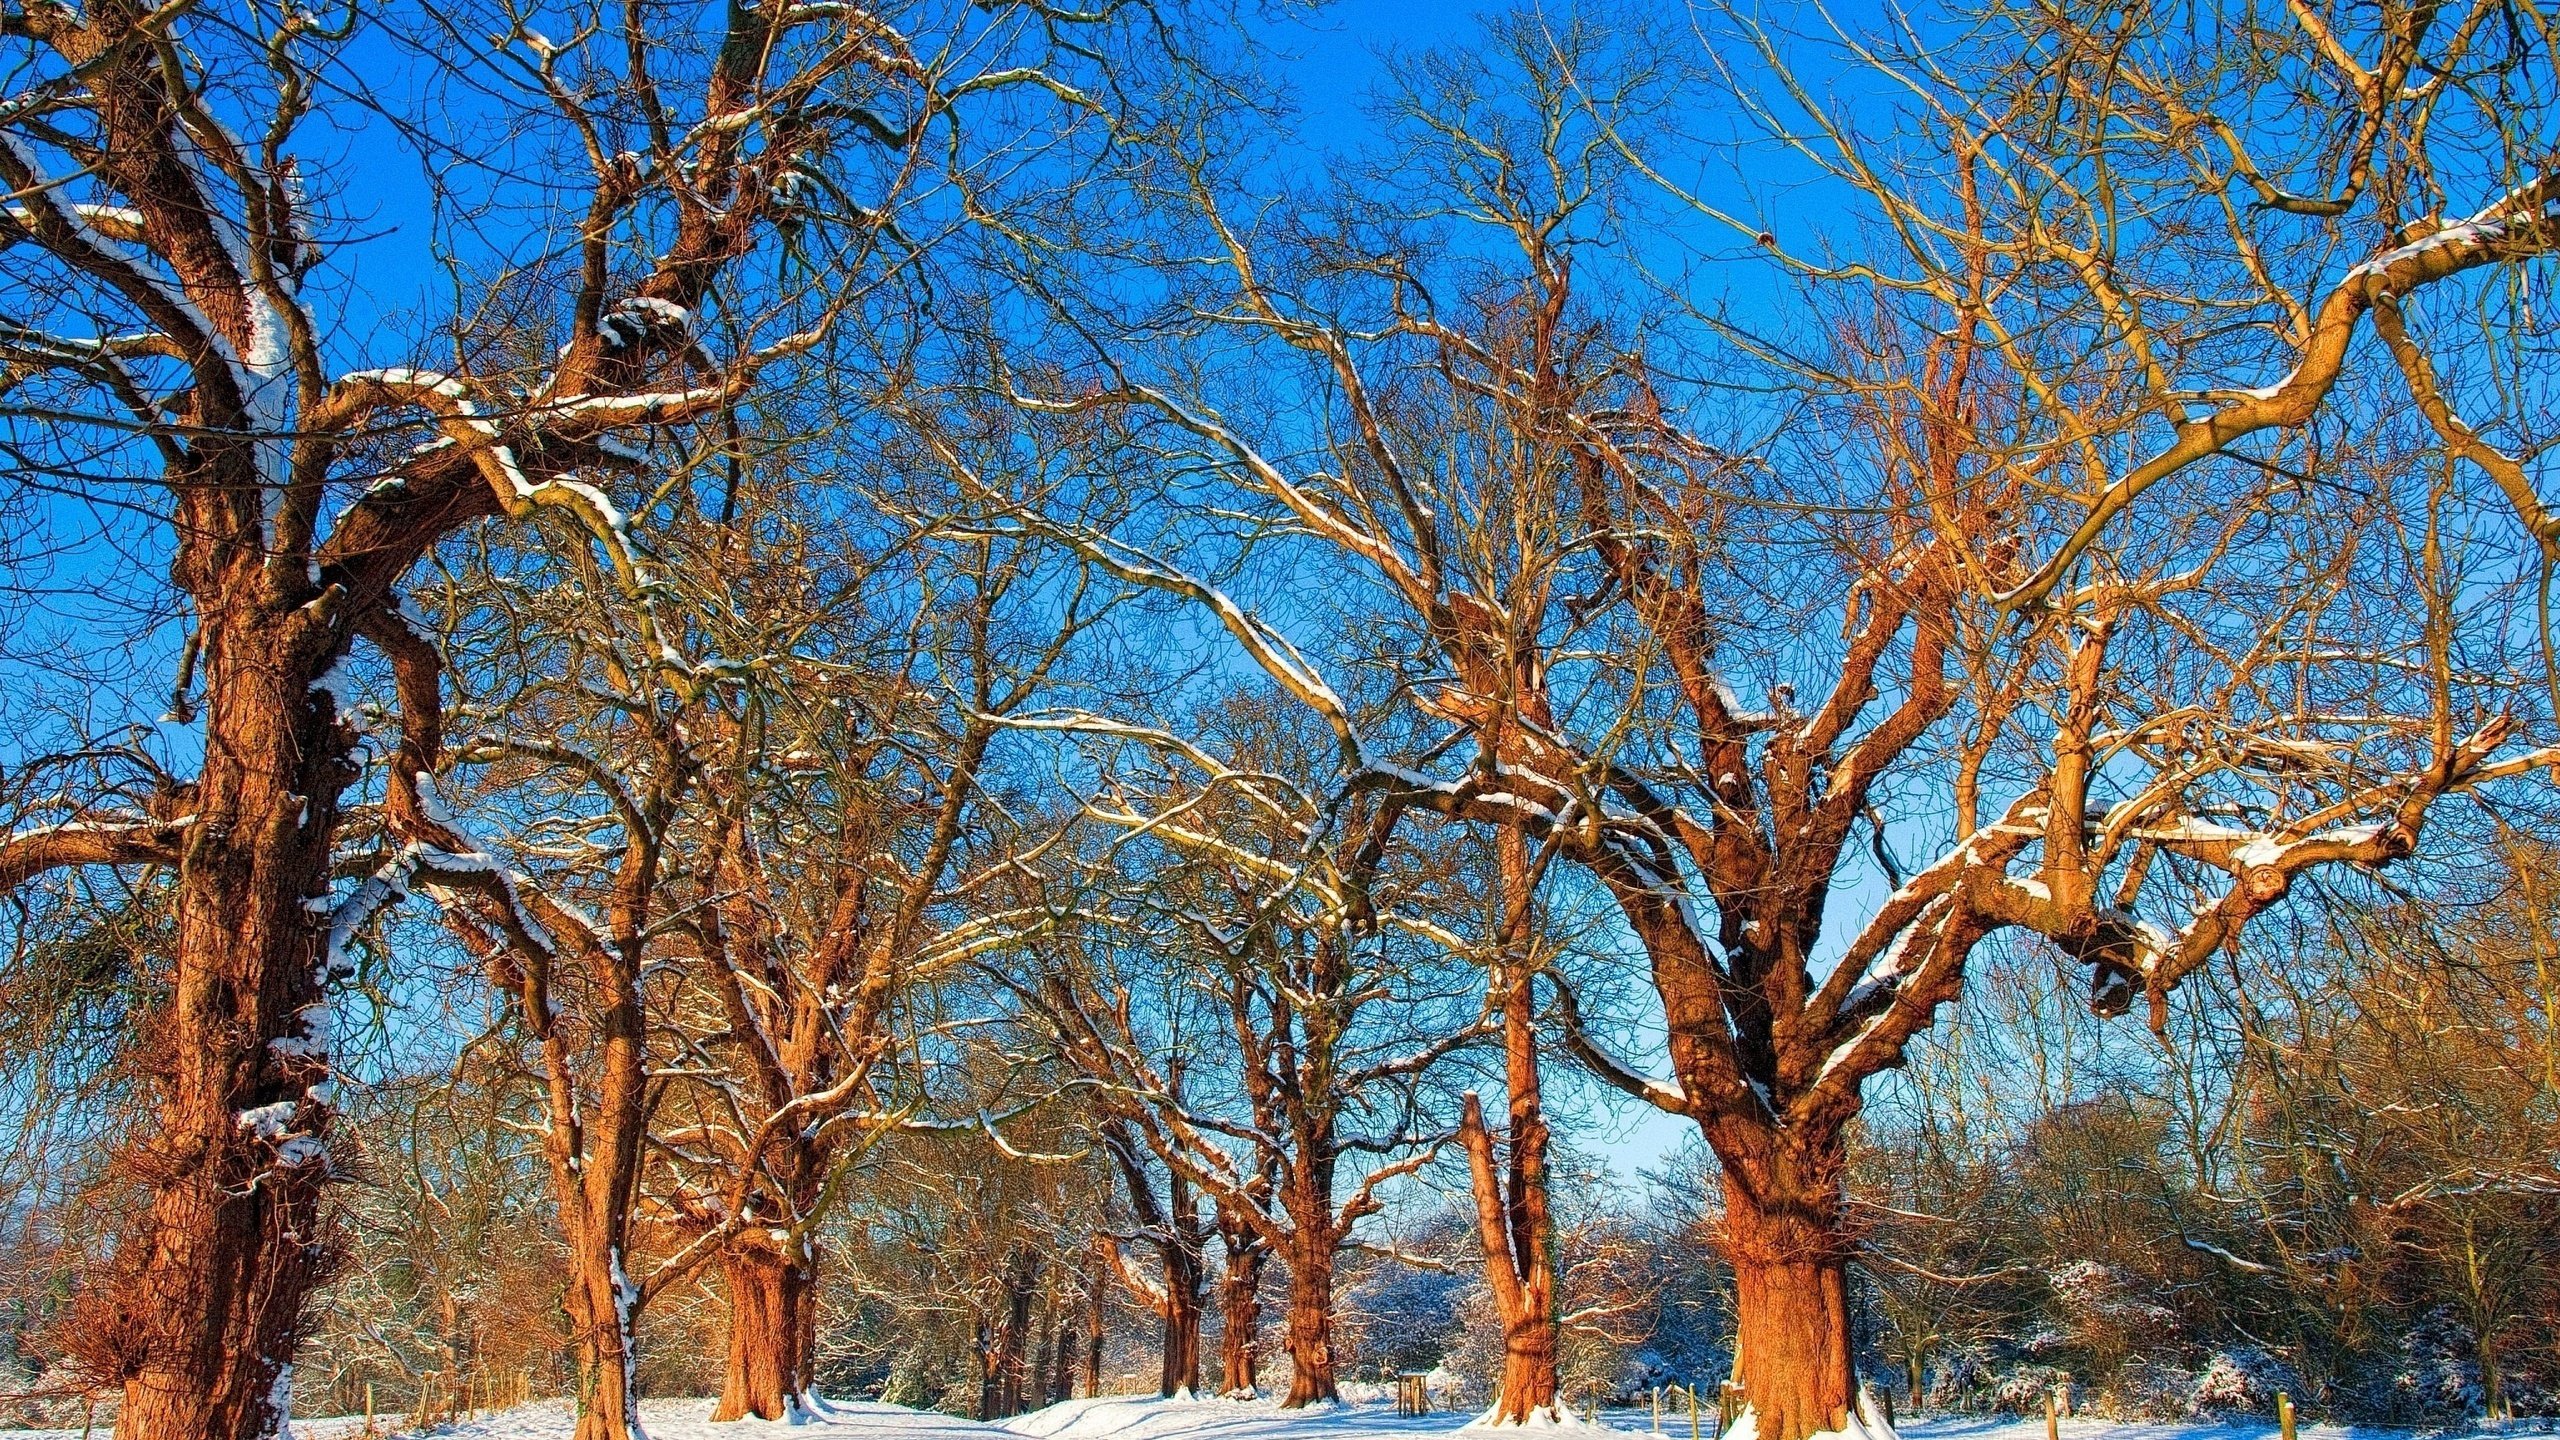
{"x":772,"y":1293}
{"x":234,"y":1241}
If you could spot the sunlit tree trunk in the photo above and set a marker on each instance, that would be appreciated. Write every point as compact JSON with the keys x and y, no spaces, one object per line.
{"x":1785,"y":1236}
{"x":771,"y":1292}
{"x":234,"y":1239}
{"x":1240,"y":1309}
{"x":1311,"y":1381}
{"x":1514,"y":1226}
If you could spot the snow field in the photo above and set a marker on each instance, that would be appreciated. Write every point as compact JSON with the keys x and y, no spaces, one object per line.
{"x":1148,"y":1418}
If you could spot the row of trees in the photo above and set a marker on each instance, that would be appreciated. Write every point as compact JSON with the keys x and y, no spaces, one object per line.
{"x":2056,"y":1205}
{"x":915,"y":600}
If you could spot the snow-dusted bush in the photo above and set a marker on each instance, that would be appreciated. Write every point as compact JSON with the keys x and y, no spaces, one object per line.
{"x":2148,"y":1389}
{"x":2240,"y":1380}
{"x":2433,"y":1376}
{"x":2023,"y":1390}
{"x":1399,"y":1315}
{"x":1959,"y":1380}
{"x":908,"y":1385}
{"x":1474,"y":1353}
{"x":2108,"y":1311}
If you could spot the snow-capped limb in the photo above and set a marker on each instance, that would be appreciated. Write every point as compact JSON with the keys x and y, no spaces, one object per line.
{"x":1274,"y":792}
{"x":1266,"y":647}
{"x":1148,"y":1291}
{"x":2518,"y":225}
{"x":122,"y":840}
{"x":1323,"y":519}
{"x":2207,"y":1247}
{"x":1875,"y":965}
{"x":59,"y":227}
{"x":1390,"y":1251}
{"x":1663,"y":1095}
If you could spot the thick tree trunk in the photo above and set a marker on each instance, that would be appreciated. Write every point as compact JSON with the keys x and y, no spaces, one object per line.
{"x":207,"y":1319}
{"x":595,"y":1168}
{"x":1792,"y":1352}
{"x":1515,"y":1234}
{"x":1310,"y":1324}
{"x":990,"y":1368}
{"x":770,"y":1292}
{"x":1240,"y":1320}
{"x":1017,"y":1343}
{"x":1000,"y":1390}
{"x":601,"y":1309}
{"x":1182,"y":1288}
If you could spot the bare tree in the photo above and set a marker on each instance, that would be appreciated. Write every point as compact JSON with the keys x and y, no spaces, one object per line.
{"x":852,"y":856}
{"x":737,"y":190}
{"x":1173,"y":1225}
{"x":1287,"y":955}
{"x":1515,"y":1221}
{"x":172,"y":323}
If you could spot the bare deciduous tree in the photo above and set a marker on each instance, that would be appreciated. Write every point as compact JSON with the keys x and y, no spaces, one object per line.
{"x":1291,"y":957}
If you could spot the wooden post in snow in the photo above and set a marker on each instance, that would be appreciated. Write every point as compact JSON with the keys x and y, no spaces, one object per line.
{"x":2284,"y":1414}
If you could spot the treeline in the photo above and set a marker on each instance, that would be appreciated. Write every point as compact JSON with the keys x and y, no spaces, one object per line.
{"x":2327,"y":1178}
{"x":918,"y":702}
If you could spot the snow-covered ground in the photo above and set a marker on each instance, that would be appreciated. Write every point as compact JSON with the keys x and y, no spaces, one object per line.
{"x":1118,"y":1418}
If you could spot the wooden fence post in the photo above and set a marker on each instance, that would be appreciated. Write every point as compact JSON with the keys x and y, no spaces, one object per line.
{"x":2284,"y":1414}
{"x":2052,"y":1418}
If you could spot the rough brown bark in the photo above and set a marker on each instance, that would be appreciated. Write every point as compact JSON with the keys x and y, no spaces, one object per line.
{"x":1172,"y":1224}
{"x":1003,"y":1342}
{"x":770,"y":1295}
{"x":1310,"y":1323}
{"x":1792,"y":1357}
{"x":1181,"y":1370}
{"x":234,"y":1239}
{"x":1515,"y":1234}
{"x":1514,"y":1225}
{"x":600,"y":1307}
{"x":1240,"y":1312}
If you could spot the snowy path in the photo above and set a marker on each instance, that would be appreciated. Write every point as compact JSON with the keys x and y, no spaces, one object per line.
{"x":1119,"y":1418}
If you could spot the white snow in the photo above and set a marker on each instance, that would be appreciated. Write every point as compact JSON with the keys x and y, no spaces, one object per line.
{"x":268,"y":1122}
{"x":1148,"y":1418}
